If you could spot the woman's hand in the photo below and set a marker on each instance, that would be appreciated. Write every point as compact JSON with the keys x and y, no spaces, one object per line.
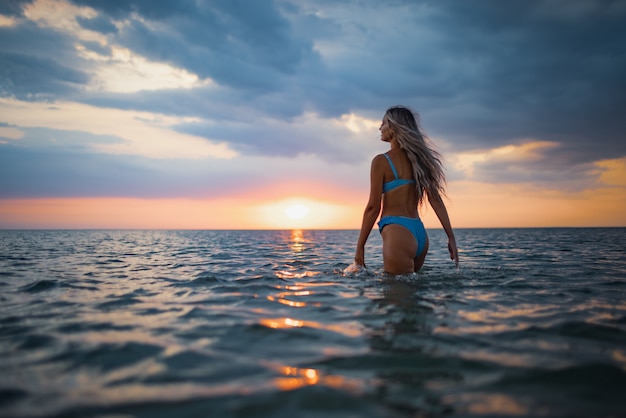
{"x":454,"y":252}
{"x":359,"y":257}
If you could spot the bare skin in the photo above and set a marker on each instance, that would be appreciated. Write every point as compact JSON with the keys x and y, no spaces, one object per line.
{"x":399,"y":245}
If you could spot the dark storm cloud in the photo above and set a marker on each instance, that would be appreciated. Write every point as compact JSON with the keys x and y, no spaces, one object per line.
{"x":237,"y":43}
{"x":13,"y":7}
{"x":38,"y":64}
{"x":29,"y":39}
{"x":150,"y":9}
{"x":482,"y":74}
{"x":535,"y":72}
{"x":31,"y":78}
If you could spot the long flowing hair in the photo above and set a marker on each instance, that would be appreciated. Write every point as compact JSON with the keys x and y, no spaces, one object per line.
{"x":427,"y":165}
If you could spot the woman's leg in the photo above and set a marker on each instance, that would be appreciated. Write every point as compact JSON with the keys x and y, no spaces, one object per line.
{"x":419,"y":260}
{"x":399,"y":248}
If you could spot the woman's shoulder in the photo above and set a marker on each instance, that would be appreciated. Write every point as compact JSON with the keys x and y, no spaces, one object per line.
{"x":379,"y":160}
{"x":378,"y":164}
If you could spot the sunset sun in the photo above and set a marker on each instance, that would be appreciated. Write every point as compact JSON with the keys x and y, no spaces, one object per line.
{"x":300,"y":212}
{"x":296,"y":211}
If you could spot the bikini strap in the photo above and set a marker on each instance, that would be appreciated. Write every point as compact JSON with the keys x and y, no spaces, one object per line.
{"x":393,"y":168}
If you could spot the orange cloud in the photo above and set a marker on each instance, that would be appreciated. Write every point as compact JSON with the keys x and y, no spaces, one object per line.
{"x":475,"y":204}
{"x":613,"y":172}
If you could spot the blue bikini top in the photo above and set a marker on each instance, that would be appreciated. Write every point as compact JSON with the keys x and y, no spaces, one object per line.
{"x":397,"y":182}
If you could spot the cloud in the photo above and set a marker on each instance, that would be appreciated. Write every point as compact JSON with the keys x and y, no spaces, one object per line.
{"x":38,"y":64}
{"x":530,"y":71}
{"x":9,"y":132}
{"x":141,"y":133}
{"x":122,"y":71}
{"x":31,"y":78}
{"x":99,"y":23}
{"x":63,"y":163}
{"x":613,"y":172}
{"x":275,"y":78}
{"x":346,"y":139}
{"x":536,"y":163}
{"x":13,"y":7}
{"x":235,"y":43}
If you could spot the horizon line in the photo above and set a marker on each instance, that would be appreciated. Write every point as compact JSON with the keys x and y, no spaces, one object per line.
{"x":295,"y":229}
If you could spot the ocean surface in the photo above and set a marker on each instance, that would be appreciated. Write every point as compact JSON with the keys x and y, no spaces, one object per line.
{"x":266,"y":324}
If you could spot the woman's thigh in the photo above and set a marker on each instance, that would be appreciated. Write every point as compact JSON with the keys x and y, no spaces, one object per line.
{"x":399,"y":248}
{"x":419,"y":260}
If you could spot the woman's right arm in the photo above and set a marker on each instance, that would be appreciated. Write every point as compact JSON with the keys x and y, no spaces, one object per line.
{"x":442,"y":213}
{"x":372,"y":209}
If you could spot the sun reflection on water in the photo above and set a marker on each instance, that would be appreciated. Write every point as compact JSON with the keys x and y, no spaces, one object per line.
{"x":284,"y":274}
{"x":283,"y":298}
{"x":351,"y":329}
{"x":287,"y":302}
{"x":297,"y":241}
{"x":295,"y":378}
{"x":488,"y":404}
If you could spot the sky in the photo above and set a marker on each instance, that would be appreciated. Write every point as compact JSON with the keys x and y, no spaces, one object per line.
{"x":261,"y":114}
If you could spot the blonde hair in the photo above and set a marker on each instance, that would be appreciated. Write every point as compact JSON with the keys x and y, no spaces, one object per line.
{"x":428,"y":170}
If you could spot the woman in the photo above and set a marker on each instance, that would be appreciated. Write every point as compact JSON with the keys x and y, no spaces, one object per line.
{"x":401,"y":179}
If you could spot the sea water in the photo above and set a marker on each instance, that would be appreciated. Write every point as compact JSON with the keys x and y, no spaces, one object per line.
{"x":267,"y":324}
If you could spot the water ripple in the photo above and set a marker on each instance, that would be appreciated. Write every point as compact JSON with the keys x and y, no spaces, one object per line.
{"x":266,"y":323}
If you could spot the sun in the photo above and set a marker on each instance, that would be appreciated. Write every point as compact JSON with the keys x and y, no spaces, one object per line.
{"x":300,"y":213}
{"x":296,"y":211}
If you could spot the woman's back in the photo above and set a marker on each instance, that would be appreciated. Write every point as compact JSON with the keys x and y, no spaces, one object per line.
{"x":402,"y":200}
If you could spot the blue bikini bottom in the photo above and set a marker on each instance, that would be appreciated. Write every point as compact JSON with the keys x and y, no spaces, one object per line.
{"x":414,"y":225}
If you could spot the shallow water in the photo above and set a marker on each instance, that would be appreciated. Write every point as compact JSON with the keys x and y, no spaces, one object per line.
{"x":265,"y":324}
